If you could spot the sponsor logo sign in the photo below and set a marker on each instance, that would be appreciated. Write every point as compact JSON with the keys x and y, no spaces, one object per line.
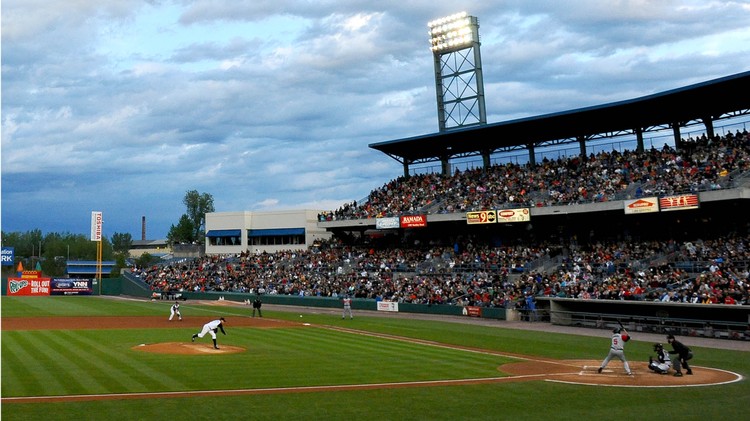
{"x":96,"y":226}
{"x":513,"y":215}
{"x":472,"y":311}
{"x":481,"y":217}
{"x":413,"y":221}
{"x":642,"y":205}
{"x":22,"y":286}
{"x":7,"y":256}
{"x":387,"y":223}
{"x":680,"y":202}
{"x":65,"y":286}
{"x":387,"y":306}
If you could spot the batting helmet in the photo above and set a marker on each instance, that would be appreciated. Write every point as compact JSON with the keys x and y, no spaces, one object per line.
{"x":616,"y":330}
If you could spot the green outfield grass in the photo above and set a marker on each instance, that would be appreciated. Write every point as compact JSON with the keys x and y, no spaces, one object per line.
{"x":83,"y":362}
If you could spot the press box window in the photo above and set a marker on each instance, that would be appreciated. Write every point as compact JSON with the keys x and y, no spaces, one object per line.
{"x":224,"y":237}
{"x":276,"y":237}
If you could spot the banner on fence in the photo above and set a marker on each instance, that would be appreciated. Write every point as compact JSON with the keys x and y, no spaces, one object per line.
{"x":387,"y":306}
{"x":64,"y":286}
{"x":28,"y":286}
{"x":472,"y":311}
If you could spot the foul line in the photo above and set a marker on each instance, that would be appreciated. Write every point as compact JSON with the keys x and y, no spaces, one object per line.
{"x":299,"y":389}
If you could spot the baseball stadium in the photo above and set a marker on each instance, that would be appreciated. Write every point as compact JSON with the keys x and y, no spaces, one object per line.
{"x":481,"y":291}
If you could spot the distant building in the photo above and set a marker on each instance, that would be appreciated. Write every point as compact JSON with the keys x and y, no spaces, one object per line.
{"x":235,"y":232}
{"x":157,"y":248}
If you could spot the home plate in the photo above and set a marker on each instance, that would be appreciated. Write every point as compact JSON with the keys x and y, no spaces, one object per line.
{"x":587,"y":370}
{"x":305,"y":324}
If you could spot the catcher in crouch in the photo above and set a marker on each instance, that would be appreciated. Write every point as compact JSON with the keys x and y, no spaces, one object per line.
{"x":211,"y":327}
{"x":662,"y":363}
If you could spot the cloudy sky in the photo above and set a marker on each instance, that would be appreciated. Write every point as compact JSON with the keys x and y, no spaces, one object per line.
{"x":122,"y":106}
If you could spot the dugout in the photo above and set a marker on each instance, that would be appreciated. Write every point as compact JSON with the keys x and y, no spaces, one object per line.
{"x":684,"y":319}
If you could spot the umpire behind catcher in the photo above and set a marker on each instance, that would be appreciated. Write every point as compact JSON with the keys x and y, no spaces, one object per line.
{"x":683,"y":355}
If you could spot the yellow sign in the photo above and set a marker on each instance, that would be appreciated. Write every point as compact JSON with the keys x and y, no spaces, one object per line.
{"x":481,"y":217}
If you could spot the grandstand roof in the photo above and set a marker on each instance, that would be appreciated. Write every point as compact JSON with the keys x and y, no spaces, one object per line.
{"x":149,"y":243}
{"x":88,"y":267}
{"x":719,"y":98}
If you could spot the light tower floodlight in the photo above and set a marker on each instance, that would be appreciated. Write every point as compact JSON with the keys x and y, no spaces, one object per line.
{"x":459,"y":85}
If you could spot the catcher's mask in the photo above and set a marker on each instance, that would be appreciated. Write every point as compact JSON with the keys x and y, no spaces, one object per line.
{"x":658,"y":347}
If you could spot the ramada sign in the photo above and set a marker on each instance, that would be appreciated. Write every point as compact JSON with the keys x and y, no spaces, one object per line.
{"x":413,"y":221}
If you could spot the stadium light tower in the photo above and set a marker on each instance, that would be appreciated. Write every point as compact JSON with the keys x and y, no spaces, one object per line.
{"x":458,"y":71}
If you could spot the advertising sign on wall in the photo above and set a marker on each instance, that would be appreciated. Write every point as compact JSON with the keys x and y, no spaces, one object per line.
{"x":680,"y":202}
{"x":7,"y":256}
{"x":28,"y":286}
{"x":513,"y":215}
{"x":387,"y":223}
{"x":481,"y":217}
{"x":413,"y":221}
{"x":387,"y":306}
{"x":64,"y":286}
{"x":642,"y":205}
{"x":472,"y":311}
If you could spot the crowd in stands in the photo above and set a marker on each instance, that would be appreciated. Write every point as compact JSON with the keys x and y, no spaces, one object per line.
{"x":477,"y":275}
{"x":700,"y":164}
{"x":502,"y":276}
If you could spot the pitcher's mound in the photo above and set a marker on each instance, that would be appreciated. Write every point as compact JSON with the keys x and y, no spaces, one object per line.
{"x":188,"y":348}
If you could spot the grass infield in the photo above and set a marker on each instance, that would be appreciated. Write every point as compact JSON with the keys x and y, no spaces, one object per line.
{"x":89,"y":361}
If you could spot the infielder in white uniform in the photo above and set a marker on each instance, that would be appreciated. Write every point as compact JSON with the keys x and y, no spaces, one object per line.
{"x":347,"y":308}
{"x":175,"y":311}
{"x":211,"y":328}
{"x":617,"y":350}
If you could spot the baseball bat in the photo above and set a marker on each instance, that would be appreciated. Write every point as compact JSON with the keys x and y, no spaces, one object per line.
{"x":620,"y":323}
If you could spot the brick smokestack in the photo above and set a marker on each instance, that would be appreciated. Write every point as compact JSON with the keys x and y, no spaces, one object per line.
{"x":143,"y":228}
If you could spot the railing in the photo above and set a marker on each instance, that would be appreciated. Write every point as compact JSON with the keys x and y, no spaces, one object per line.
{"x":698,"y":266}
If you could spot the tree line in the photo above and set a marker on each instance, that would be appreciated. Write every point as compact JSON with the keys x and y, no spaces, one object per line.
{"x":51,"y":251}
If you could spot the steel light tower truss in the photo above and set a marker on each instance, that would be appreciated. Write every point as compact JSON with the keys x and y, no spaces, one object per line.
{"x":458,"y":71}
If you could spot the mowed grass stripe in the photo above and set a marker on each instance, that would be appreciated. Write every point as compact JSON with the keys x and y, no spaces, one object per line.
{"x":91,"y":372}
{"x":372,"y":358}
{"x":439,"y":355}
{"x":112,"y":360}
{"x":21,"y":374}
{"x":82,"y":362}
{"x":96,"y":367}
{"x":50,"y":364}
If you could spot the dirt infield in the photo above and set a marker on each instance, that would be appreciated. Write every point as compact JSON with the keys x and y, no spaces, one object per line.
{"x":530,"y":368}
{"x":585,"y":372}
